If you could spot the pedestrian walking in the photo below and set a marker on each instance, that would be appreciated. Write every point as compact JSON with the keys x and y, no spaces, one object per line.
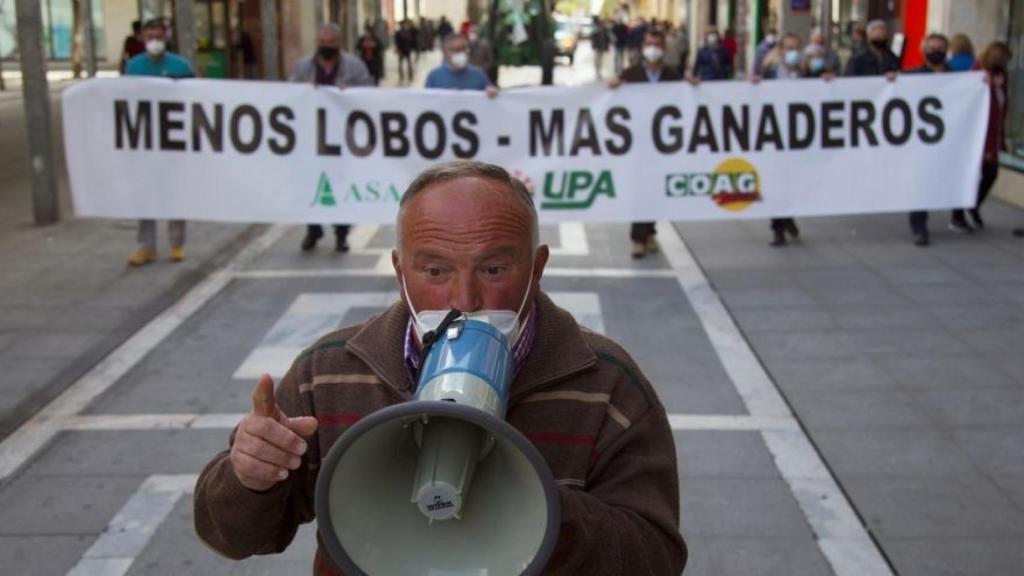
{"x":330,"y":66}
{"x":653,"y":69}
{"x":371,"y":53}
{"x":158,"y":61}
{"x":600,"y":43}
{"x":133,"y":46}
{"x":405,"y":45}
{"x":620,"y":33}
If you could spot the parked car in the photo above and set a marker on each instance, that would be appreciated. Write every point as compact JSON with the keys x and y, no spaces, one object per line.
{"x":565,"y":38}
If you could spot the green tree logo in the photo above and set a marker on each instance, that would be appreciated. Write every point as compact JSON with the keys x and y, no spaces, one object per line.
{"x":324,"y":193}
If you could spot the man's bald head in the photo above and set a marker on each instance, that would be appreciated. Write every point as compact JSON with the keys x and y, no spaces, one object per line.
{"x":492,"y":178}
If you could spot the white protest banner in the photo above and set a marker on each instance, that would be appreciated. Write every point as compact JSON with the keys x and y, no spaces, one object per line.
{"x":278,"y":152}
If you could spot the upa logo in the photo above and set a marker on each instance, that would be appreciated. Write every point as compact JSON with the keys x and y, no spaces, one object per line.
{"x":576,"y":190}
{"x":734,"y":185}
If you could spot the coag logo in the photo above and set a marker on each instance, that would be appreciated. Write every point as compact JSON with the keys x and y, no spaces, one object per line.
{"x":370,"y":191}
{"x":734,"y":185}
{"x":576,"y":190}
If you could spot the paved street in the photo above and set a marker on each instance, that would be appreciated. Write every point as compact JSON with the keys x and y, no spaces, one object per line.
{"x":850,"y":404}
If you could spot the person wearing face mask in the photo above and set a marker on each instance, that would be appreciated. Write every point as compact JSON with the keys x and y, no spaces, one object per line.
{"x":828,"y":65}
{"x":157,"y":60}
{"x":994,"y":60}
{"x":712,"y":61}
{"x":764,"y":48}
{"x":877,"y":59}
{"x":467,"y":241}
{"x":456,"y":72}
{"x":784,"y":63}
{"x":653,"y":69}
{"x":330,"y":66}
{"x":935,"y":47}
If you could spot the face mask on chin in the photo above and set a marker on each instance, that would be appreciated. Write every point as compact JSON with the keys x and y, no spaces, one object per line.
{"x":506,"y":321}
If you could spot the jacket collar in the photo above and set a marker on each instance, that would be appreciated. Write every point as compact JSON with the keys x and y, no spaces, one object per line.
{"x":558,"y":351}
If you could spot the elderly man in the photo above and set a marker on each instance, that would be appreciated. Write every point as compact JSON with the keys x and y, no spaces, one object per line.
{"x":332,"y":67}
{"x":456,"y":72}
{"x":877,"y":59}
{"x":467,"y":240}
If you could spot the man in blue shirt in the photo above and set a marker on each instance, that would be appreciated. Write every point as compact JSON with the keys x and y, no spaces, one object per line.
{"x":456,"y":72}
{"x":157,"y":61}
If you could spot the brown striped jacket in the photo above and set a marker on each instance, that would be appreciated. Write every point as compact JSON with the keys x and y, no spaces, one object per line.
{"x":579,"y":398}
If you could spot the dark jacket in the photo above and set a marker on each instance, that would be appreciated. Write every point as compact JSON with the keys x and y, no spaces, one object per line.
{"x":713,"y":63}
{"x":636,"y":73}
{"x":579,"y":398}
{"x":872,"y":63}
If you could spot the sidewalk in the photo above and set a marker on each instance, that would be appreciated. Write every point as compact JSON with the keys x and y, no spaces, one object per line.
{"x":67,"y":298}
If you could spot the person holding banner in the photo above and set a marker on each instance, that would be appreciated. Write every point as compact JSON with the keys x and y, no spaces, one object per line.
{"x":994,"y":61}
{"x":330,"y":66}
{"x":158,"y":61}
{"x":456,"y":72}
{"x":467,"y":240}
{"x":784,"y":63}
{"x":652,"y":69}
{"x":877,"y":59}
{"x":934,"y":47}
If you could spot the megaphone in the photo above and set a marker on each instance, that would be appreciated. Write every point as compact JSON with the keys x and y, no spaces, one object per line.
{"x":441,"y":485}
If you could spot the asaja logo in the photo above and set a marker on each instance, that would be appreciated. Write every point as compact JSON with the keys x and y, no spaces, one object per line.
{"x":576,"y":190}
{"x":324,"y":193}
{"x":734,"y":185}
{"x":370,"y":191}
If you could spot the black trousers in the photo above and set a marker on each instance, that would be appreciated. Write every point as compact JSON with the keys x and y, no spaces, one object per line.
{"x":340,"y":230}
{"x":989,"y":173}
{"x":919,"y":223}
{"x":780,"y":224}
{"x":641,"y":231}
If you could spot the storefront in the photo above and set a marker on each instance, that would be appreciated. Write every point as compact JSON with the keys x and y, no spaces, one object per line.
{"x":58,"y":26}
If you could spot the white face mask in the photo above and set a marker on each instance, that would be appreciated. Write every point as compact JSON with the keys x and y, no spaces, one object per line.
{"x":459,"y":60}
{"x":155,"y":47}
{"x":506,"y":321}
{"x":653,"y":53}
{"x":712,"y":39}
{"x":792,"y":58}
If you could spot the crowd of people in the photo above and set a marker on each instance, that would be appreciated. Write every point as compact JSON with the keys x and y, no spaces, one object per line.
{"x":644,"y":51}
{"x":658,"y":51}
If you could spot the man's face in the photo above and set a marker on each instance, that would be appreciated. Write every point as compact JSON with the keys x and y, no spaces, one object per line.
{"x":656,"y":41}
{"x":935,"y":46}
{"x":467,"y":244}
{"x":328,"y":39}
{"x":152,"y":33}
{"x":454,"y":45}
{"x":790,"y":43}
{"x":879,"y":33}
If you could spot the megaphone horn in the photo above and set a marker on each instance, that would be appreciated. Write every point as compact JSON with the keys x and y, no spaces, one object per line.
{"x":483,"y":501}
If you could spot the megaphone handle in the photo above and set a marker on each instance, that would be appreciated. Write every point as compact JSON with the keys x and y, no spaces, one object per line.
{"x":430,"y":337}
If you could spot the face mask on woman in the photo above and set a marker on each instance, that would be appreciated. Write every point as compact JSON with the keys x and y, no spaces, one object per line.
{"x":792,"y":58}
